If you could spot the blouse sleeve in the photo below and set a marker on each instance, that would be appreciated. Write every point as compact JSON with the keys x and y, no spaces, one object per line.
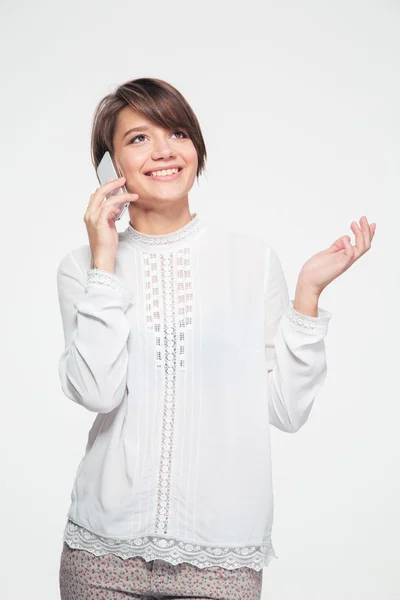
{"x":93,"y":366}
{"x":295,"y":352}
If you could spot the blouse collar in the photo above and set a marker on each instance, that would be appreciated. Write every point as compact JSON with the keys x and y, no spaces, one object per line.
{"x":146,"y":240}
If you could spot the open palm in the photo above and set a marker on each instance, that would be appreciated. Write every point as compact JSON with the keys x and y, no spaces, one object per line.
{"x":327,"y":265}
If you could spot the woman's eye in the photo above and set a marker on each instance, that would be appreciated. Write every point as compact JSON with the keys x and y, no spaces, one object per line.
{"x":183,"y":133}
{"x":136,"y":136}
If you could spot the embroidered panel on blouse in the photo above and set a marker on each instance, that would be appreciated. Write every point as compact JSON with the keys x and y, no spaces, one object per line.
{"x":168,"y":285}
{"x":168,"y":307}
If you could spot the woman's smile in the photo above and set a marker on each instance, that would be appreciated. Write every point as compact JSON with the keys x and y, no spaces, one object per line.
{"x":165,"y":177}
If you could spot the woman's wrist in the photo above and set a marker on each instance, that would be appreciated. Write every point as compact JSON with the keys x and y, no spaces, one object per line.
{"x":103,"y":265}
{"x":306,"y":301}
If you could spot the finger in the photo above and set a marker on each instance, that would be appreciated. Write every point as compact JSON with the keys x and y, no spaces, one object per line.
{"x":117,"y":200}
{"x":92,"y":211}
{"x":359,"y":247}
{"x":121,"y":198}
{"x":338,"y":244}
{"x":373,"y":229}
{"x":107,"y":214}
{"x":366,"y":232}
{"x":115,"y":204}
{"x":348,"y":248}
{"x":97,"y":198}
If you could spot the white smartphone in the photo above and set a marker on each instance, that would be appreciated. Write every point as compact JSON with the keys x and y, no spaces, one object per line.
{"x":108,"y":170}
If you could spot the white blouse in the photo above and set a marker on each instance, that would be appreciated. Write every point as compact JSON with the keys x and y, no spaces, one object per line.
{"x":187,"y":353}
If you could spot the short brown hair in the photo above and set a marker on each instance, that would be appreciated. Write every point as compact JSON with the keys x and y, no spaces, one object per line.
{"x":158,"y":101}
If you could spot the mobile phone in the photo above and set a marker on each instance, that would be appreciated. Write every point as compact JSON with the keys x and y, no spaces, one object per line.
{"x":108,"y":170}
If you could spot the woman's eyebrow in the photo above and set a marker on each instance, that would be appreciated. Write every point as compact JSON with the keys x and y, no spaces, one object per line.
{"x":139,"y":128}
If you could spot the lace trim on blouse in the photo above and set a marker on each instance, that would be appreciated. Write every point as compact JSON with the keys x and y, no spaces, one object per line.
{"x":166,"y":239}
{"x":307,"y":324}
{"x":152,"y":547}
{"x":108,"y":279}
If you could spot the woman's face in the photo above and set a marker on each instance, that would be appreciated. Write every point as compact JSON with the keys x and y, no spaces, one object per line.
{"x":152,"y":148}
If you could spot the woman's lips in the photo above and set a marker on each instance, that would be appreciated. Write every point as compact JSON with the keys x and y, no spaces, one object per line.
{"x":166,"y":178}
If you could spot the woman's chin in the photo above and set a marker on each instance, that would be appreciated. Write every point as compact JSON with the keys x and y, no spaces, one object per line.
{"x":154,"y":199}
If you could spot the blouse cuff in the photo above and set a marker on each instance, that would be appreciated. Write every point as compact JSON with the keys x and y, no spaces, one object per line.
{"x":110,"y":280}
{"x":307,"y":324}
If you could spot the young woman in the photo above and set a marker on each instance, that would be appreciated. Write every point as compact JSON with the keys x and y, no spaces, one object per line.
{"x":181,"y":337}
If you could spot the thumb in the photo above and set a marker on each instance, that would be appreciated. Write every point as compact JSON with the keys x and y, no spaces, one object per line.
{"x":341,"y":243}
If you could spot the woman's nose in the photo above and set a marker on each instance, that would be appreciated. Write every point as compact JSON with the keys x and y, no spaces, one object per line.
{"x":163,"y":148}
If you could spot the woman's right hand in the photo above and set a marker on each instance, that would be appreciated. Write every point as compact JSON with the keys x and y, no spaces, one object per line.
{"x":100,"y":223}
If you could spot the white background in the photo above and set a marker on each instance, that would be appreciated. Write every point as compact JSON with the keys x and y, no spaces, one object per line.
{"x":299,"y":107}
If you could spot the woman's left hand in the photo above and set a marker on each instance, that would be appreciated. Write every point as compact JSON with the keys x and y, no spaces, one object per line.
{"x":325,"y":266}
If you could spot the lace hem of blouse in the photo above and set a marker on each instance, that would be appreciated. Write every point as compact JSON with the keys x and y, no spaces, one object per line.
{"x":152,"y":547}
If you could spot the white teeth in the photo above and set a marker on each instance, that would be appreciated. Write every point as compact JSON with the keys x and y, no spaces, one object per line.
{"x":164,"y":172}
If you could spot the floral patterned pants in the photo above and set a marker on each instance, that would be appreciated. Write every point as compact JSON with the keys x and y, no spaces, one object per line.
{"x":84,"y":576}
